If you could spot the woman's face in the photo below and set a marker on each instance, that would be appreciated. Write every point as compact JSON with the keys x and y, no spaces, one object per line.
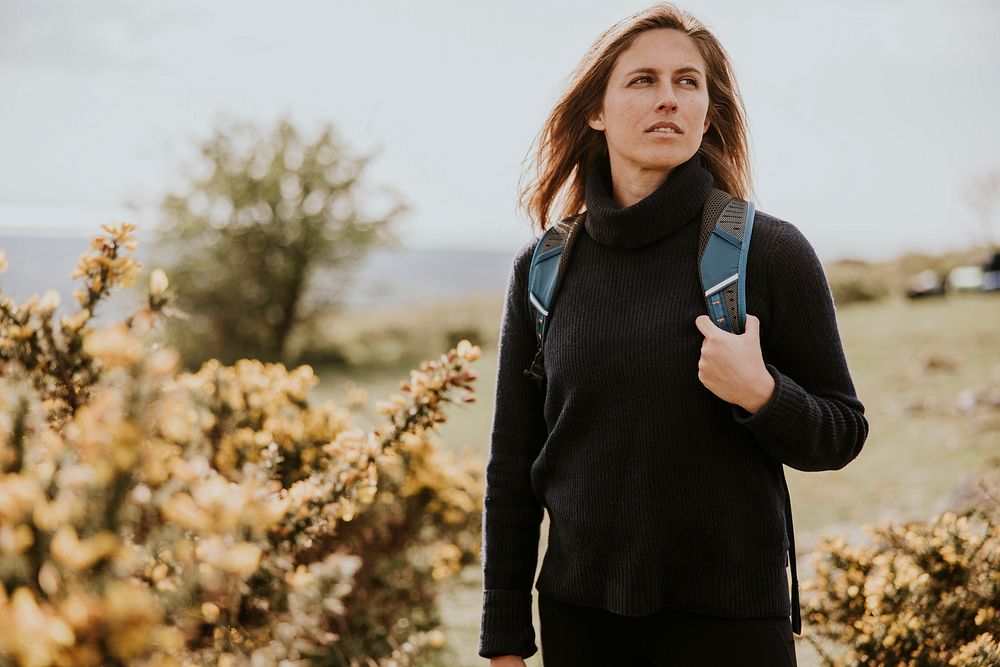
{"x":659,"y":78}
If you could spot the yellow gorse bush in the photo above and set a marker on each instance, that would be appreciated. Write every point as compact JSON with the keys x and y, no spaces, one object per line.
{"x":919,"y":595}
{"x":154,"y":517}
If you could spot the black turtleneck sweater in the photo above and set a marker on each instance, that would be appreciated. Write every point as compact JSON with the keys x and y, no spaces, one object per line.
{"x":659,"y":493}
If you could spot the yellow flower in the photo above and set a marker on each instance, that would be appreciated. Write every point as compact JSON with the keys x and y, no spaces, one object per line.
{"x":224,"y":501}
{"x":467,"y":350}
{"x":50,"y":301}
{"x":37,"y":635}
{"x":75,"y":322}
{"x":18,"y":494}
{"x":80,"y":611}
{"x":271,"y":511}
{"x":131,"y":611}
{"x":48,"y":578}
{"x":242,"y":558}
{"x":346,"y":509}
{"x":300,"y":578}
{"x":182,"y":510}
{"x":164,"y":362}
{"x":78,"y":555}
{"x":15,"y":539}
{"x":209,"y":612}
{"x":114,"y":345}
{"x":158,"y":282}
{"x":985,"y":614}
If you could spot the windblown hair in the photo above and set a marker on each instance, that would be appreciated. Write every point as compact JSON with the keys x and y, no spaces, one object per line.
{"x":566,"y":145}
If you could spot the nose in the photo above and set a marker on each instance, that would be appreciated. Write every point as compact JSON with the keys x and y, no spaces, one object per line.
{"x":667,"y":99}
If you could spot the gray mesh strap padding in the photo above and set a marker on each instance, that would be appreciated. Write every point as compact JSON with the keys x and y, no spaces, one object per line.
{"x":729,"y":297}
{"x":732,"y":218}
{"x":714,"y":206}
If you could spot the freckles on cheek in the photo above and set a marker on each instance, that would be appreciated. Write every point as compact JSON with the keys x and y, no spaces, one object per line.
{"x":633,"y":105}
{"x":631,"y":112}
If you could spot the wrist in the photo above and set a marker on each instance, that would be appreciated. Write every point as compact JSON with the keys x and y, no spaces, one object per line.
{"x":763,"y":390}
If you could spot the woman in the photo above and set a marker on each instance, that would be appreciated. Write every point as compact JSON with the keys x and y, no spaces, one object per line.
{"x":657,"y":440}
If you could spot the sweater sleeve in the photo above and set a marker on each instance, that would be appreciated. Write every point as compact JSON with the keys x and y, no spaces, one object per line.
{"x":512,"y":514}
{"x":813,"y":420}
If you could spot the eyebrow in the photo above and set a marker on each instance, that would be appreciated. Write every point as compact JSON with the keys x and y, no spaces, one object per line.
{"x":653,"y":70}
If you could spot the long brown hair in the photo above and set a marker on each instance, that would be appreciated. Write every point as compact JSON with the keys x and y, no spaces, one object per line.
{"x":566,"y":144}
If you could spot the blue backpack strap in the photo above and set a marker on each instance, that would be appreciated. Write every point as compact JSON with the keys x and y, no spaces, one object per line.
{"x":548,"y":265}
{"x":727,"y":225}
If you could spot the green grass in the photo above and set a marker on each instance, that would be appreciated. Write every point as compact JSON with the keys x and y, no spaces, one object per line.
{"x":911,"y":362}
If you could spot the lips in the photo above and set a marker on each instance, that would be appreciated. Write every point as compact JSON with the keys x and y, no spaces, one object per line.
{"x":664,"y":124}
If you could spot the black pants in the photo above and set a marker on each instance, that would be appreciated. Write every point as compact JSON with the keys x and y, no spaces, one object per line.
{"x":577,"y":636}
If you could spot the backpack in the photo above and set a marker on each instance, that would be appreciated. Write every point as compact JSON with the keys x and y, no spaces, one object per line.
{"x":726,"y":229}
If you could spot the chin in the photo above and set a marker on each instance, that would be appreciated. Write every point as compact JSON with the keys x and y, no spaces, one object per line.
{"x":670,"y":160}
{"x":661,"y":162}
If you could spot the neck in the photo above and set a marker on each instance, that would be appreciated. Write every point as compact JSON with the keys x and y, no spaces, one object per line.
{"x":631,"y":183}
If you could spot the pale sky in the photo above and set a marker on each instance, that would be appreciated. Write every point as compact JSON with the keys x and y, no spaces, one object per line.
{"x":868,"y":118}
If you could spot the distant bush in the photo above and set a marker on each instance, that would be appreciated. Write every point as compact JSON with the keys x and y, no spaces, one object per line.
{"x":855,"y":280}
{"x":268,"y":239}
{"x":154,"y":517}
{"x":921,"y":595}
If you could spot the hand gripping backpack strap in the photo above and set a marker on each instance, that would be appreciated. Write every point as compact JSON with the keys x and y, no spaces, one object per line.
{"x":545,"y":274}
{"x":727,"y":225}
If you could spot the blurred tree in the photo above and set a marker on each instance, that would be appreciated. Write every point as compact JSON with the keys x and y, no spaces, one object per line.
{"x":269,"y":213}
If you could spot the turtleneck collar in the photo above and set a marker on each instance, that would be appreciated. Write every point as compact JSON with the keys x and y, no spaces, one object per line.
{"x":669,"y":207}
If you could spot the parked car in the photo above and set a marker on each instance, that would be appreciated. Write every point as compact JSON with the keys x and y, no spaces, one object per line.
{"x":991,"y":274}
{"x":965,"y":279}
{"x":924,"y":284}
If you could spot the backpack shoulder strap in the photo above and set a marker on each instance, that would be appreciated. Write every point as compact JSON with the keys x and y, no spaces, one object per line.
{"x":548,"y":265}
{"x":727,"y":224}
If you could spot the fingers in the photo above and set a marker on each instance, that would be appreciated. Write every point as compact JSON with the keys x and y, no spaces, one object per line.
{"x":705,"y":325}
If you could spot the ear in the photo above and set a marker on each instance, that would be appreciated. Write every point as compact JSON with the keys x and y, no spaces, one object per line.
{"x":707,"y":124}
{"x":596,"y":121}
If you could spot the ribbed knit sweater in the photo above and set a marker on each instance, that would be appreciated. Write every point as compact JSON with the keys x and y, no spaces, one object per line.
{"x":659,"y":493}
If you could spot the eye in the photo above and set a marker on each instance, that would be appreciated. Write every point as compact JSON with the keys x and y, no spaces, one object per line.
{"x":694,"y":81}
{"x":640,"y":78}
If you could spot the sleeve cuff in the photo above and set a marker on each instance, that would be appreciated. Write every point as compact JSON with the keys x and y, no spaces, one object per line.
{"x":781,"y":411}
{"x":506,"y":627}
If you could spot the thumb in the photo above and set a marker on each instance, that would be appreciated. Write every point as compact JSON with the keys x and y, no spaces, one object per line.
{"x":705,"y":324}
{"x":752,"y":326}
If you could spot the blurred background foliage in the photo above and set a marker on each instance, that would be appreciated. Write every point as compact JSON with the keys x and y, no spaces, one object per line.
{"x":265,"y":237}
{"x":855,"y":280}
